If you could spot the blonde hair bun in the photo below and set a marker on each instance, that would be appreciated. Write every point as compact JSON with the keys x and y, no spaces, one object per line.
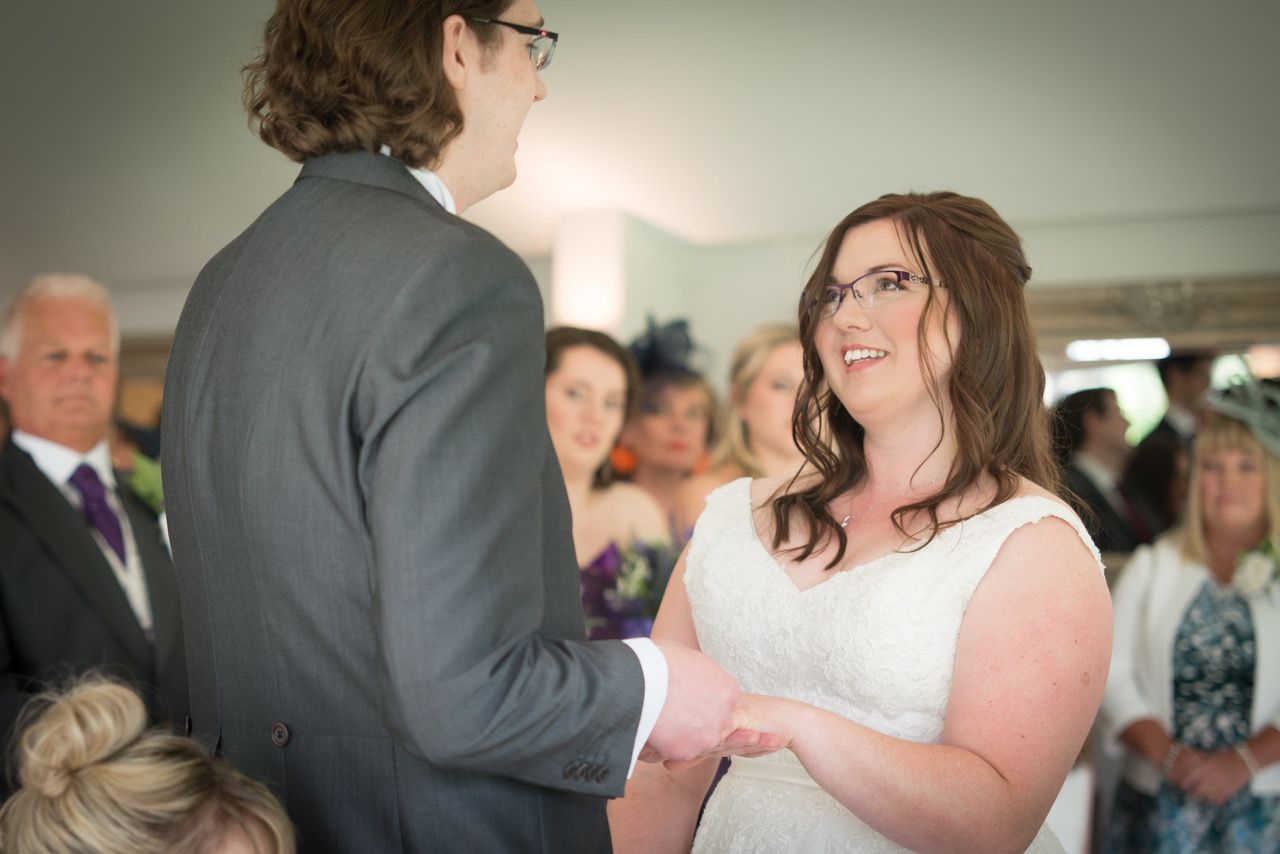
{"x":77,"y":730}
{"x":96,"y":778}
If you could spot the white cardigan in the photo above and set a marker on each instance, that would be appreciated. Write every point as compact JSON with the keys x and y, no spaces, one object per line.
{"x":1149,"y":601}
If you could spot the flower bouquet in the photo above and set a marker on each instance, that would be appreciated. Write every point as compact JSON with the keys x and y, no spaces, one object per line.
{"x":622,"y":589}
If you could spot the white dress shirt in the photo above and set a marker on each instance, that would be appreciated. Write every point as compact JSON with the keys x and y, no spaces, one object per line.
{"x":430,"y":182}
{"x":58,"y":463}
{"x":652,"y":661}
{"x":1182,"y":421}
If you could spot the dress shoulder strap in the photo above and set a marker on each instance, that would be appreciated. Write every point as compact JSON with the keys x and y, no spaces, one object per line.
{"x":996,"y":524}
{"x":728,"y":509}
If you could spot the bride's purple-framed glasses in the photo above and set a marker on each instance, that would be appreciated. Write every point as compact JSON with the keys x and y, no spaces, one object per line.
{"x":541,"y":49}
{"x":875,"y":290}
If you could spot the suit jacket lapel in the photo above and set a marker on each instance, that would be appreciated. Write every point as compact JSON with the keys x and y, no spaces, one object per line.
{"x":1113,"y":524}
{"x":162,"y":587}
{"x":68,"y":542}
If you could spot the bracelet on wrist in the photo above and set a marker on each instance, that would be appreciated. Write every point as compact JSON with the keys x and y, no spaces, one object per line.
{"x":1170,"y":757}
{"x":1246,"y":755}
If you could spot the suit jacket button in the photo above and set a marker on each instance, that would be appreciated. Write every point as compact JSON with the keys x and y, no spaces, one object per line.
{"x":602,"y":774}
{"x":279,"y":734}
{"x":571,"y":770}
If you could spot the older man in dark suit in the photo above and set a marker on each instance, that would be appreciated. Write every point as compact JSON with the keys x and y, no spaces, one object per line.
{"x":370,"y":528}
{"x":85,"y":581}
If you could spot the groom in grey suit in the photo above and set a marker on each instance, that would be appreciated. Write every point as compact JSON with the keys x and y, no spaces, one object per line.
{"x":369,"y":526}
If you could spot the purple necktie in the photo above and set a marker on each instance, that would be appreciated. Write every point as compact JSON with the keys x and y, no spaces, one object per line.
{"x":97,"y":512}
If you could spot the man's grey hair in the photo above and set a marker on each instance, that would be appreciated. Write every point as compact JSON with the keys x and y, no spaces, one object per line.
{"x":54,"y":286}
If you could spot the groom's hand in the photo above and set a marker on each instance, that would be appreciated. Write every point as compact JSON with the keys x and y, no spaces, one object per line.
{"x":698,"y":715}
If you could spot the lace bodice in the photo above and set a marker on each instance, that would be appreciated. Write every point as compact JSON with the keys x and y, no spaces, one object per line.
{"x":874,"y":644}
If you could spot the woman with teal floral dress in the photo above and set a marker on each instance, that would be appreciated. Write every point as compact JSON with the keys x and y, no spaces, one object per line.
{"x":620,"y":534}
{"x":1193,"y":695}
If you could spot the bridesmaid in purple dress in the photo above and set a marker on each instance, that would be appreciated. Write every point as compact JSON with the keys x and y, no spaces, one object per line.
{"x":621,"y":536}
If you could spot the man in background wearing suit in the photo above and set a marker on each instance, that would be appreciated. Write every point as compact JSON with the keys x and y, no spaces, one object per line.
{"x":1186,"y":378}
{"x":1090,"y":440}
{"x":84,"y":577}
{"x":369,"y":524}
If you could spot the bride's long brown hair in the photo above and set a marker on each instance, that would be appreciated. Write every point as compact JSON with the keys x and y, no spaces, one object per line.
{"x":996,"y":387}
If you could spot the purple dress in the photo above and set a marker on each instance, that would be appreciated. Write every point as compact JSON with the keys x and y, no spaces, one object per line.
{"x":621,"y":589}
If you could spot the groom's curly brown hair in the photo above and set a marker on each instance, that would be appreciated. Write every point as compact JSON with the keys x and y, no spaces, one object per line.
{"x":353,"y":75}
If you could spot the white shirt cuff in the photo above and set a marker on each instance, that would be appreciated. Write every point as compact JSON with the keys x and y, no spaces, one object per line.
{"x":654,"y":665}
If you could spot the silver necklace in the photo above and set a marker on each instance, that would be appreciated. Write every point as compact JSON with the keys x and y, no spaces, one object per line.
{"x":844,"y":523}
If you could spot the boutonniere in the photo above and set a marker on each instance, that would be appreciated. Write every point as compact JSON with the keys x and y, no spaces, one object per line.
{"x":1257,"y":569}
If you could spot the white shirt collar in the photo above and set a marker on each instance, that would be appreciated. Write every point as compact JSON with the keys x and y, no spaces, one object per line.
{"x":1101,"y":476}
{"x":1181,"y":421}
{"x":430,"y":182}
{"x":58,"y":462}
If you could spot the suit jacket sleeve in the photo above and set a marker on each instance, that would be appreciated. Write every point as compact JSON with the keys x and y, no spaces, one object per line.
{"x":453,"y":467}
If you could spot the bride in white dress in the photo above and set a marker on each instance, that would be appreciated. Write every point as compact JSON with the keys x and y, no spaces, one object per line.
{"x":919,"y":619}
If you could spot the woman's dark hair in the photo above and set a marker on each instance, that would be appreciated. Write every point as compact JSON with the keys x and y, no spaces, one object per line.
{"x":562,"y":338}
{"x":996,"y":387}
{"x":339,"y":76}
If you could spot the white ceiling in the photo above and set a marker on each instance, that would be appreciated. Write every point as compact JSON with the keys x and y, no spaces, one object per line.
{"x":126,"y":154}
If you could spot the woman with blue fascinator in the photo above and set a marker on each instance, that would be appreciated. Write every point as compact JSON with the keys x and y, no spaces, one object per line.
{"x":668,"y":436}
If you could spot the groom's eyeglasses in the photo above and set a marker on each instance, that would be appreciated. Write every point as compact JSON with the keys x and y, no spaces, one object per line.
{"x":541,"y":49}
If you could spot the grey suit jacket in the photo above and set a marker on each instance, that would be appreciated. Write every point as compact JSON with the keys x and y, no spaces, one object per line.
{"x":371,"y":533}
{"x":62,"y":611}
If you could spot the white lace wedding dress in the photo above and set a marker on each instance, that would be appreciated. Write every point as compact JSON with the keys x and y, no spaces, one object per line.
{"x":875,"y":645}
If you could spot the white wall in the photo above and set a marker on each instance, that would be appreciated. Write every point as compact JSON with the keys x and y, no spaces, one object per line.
{"x":727,"y":290}
{"x":1207,"y":245}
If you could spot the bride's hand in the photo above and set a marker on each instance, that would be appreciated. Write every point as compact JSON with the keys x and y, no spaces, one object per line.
{"x":757,"y":730}
{"x":766,"y":715}
{"x":753,"y":711}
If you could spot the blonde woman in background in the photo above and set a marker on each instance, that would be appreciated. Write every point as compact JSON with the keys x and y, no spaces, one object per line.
{"x":767,"y":368}
{"x":1193,"y":695}
{"x":94,"y":778}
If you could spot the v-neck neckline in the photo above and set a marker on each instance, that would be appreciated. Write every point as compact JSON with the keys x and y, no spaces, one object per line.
{"x":777,"y":564}
{"x":850,"y":570}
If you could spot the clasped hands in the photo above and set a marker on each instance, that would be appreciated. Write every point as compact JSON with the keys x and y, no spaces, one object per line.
{"x":1214,"y":777}
{"x":706,"y":715}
